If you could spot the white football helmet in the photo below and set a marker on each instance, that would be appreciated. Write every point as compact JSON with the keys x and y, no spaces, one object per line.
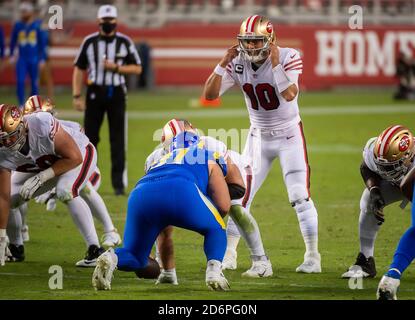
{"x":172,"y":128}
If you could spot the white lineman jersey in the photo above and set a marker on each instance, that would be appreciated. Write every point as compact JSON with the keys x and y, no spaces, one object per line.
{"x":266,"y":106}
{"x":42,"y":128}
{"x":369,"y":159}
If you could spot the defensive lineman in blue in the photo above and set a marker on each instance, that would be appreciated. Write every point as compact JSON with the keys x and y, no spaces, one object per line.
{"x":186,"y":188}
{"x":29,"y":38}
{"x":404,"y":254}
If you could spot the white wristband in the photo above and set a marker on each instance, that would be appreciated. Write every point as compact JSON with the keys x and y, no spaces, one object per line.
{"x":3,"y":233}
{"x":46,"y":175}
{"x":220,"y":71}
{"x":281,"y":78}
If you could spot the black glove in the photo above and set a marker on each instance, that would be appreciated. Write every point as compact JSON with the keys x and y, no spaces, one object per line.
{"x":377,"y":203}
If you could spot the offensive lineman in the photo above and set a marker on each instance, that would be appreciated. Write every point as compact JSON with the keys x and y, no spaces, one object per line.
{"x":17,"y":218}
{"x":268,"y":76}
{"x":386,"y":160}
{"x":52,"y":155}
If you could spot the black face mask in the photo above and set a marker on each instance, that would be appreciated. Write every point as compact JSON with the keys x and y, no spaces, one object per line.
{"x":108,"y":27}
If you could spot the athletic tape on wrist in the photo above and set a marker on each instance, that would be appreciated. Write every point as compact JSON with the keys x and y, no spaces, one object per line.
{"x":220,"y":71}
{"x":281,"y":78}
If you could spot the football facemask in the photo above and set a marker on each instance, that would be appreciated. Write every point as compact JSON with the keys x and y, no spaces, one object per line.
{"x":255,"y":36}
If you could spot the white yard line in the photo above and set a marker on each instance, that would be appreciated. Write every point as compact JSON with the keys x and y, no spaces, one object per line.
{"x":242,"y":112}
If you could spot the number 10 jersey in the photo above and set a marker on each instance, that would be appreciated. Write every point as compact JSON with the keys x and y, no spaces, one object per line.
{"x":267,"y":108}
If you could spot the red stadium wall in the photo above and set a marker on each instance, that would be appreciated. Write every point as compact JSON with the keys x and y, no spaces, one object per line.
{"x":184,"y":54}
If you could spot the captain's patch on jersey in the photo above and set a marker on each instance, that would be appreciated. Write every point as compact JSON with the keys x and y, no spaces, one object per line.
{"x":239,"y":68}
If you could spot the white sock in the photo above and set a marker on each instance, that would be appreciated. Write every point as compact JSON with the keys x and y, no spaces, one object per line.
{"x":14,"y":227}
{"x":23,"y":212}
{"x":98,"y":208}
{"x":308,"y":220}
{"x":232,"y":235}
{"x":249,"y":230}
{"x":368,"y":229}
{"x":82,"y":217}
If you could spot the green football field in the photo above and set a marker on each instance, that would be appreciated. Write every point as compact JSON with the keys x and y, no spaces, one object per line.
{"x":337,"y":126}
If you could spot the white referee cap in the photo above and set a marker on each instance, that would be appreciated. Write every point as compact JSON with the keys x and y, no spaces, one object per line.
{"x":107,"y":11}
{"x":26,"y":7}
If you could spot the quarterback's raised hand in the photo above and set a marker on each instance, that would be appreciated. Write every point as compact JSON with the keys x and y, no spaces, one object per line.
{"x":376,"y":204}
{"x":274,"y":54}
{"x":231,"y":53}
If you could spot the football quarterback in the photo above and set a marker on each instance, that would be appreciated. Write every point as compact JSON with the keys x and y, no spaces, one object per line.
{"x":386,"y":161}
{"x":268,"y":77}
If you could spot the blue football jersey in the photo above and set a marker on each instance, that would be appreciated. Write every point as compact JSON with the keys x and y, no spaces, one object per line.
{"x":190,"y":162}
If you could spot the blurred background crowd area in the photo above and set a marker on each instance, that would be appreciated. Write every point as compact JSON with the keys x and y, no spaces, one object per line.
{"x":156,"y":13}
{"x":180,"y":41}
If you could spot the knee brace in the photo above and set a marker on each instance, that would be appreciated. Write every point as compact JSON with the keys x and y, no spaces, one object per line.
{"x":302,"y":205}
{"x":297,"y":193}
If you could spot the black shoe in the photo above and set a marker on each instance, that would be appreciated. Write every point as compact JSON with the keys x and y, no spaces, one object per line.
{"x":91,"y":256}
{"x":119,"y":192}
{"x":367,"y":264}
{"x":17,"y":253}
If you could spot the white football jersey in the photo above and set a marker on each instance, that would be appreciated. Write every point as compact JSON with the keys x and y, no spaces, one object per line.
{"x":42,"y":128}
{"x":267,"y":108}
{"x":369,"y":158}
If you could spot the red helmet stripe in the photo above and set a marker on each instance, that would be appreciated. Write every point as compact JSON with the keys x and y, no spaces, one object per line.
{"x":381,"y":138}
{"x":173,"y":129}
{"x":386,"y":139}
{"x":253,"y":24}
{"x":247,"y":23}
{"x":39,"y":103}
{"x":2,"y":107}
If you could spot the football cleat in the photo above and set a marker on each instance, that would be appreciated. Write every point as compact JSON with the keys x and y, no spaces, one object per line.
{"x":167,"y":277}
{"x":111,"y":239}
{"x":25,"y":233}
{"x":259,"y":269}
{"x":16,"y":253}
{"x":215,"y":280}
{"x":362,"y":268}
{"x":91,"y":256}
{"x":104,"y":270}
{"x":387,"y":288}
{"x":311,"y":264}
{"x":229,"y":260}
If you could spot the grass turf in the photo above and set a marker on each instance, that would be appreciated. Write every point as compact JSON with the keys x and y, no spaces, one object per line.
{"x":335,"y":141}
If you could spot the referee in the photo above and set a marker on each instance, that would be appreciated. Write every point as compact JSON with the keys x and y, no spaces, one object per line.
{"x":107,"y":56}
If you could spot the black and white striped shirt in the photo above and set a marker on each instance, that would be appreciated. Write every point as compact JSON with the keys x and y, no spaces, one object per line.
{"x":95,"y":48}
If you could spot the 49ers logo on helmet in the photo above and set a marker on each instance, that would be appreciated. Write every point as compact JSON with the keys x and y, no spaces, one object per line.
{"x":269,"y":27}
{"x":15,"y":113}
{"x":404,"y":144}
